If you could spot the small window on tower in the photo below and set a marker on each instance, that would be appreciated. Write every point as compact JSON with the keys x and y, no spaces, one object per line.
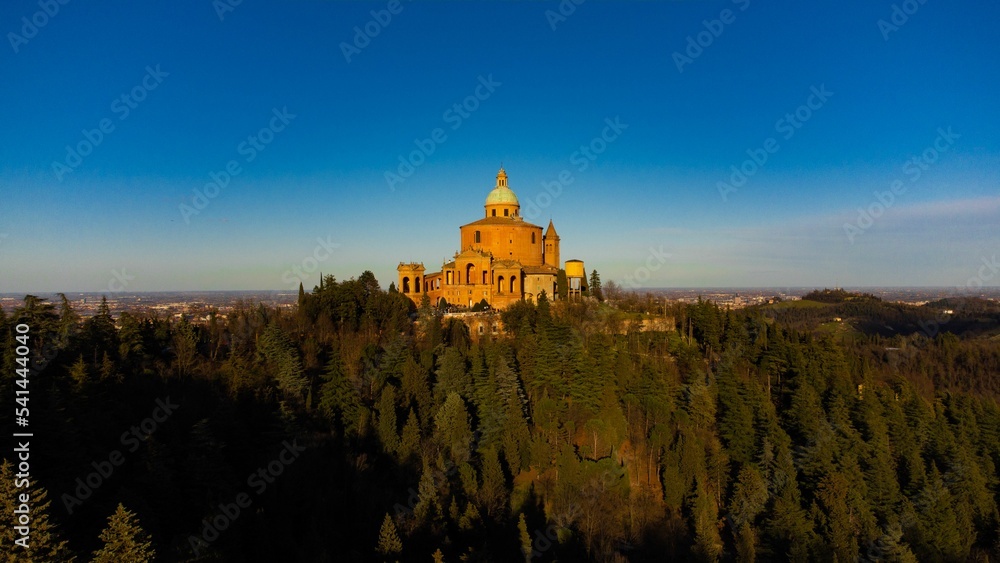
{"x":477,"y":237}
{"x":532,"y":238}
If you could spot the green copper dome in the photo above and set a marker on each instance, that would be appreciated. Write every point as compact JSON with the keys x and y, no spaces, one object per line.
{"x":501,"y":196}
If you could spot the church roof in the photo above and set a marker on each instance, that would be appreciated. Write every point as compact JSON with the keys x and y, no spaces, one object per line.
{"x":500,"y":264}
{"x":543,"y":269}
{"x":512,"y":221}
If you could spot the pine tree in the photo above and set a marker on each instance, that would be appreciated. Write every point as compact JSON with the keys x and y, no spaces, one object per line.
{"x":595,"y":285}
{"x":69,"y":320}
{"x":277,"y":348}
{"x":749,"y":497}
{"x":78,"y":372}
{"x":44,"y":542}
{"x":387,"y":431}
{"x":389,"y":544}
{"x":339,"y":397}
{"x":452,"y":376}
{"x":124,"y":540}
{"x":704,"y":522}
{"x":493,"y":490}
{"x":409,"y":443}
{"x":891,"y":547}
{"x":526,"y":547}
{"x":108,"y":370}
{"x":451,"y":428}
{"x":428,"y":509}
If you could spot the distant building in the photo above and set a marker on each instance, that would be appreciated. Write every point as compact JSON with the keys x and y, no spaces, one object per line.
{"x":502,"y":259}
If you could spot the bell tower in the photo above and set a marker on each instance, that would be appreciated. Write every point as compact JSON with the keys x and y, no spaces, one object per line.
{"x":551,"y":240}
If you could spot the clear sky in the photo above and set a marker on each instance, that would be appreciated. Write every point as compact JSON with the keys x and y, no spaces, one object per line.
{"x":838,"y":103}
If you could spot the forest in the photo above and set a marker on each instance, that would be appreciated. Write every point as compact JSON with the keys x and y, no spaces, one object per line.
{"x":358,"y":426}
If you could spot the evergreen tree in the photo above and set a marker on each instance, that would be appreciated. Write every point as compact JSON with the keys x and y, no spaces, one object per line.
{"x":526,"y":546}
{"x":387,"y":426}
{"x":704,"y":522}
{"x":451,"y":429}
{"x":78,"y":372}
{"x":409,"y":444}
{"x":69,"y":320}
{"x":595,"y":285}
{"x":124,"y":540}
{"x":339,"y":398}
{"x":492,"y":491}
{"x":279,"y":351}
{"x":428,"y":511}
{"x":389,"y":544}
{"x":452,"y":376}
{"x":44,"y":544}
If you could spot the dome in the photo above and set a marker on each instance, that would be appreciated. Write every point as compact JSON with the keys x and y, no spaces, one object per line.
{"x":501,"y":196}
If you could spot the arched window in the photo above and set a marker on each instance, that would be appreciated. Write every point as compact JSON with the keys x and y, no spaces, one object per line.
{"x":513,"y":284}
{"x":500,"y":281}
{"x":416,"y":284}
{"x":469,"y":279}
{"x":406,"y":284}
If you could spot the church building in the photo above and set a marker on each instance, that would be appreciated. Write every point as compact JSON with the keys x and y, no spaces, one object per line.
{"x":502,"y":259}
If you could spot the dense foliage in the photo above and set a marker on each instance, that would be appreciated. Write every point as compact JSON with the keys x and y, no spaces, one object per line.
{"x":359,"y":427}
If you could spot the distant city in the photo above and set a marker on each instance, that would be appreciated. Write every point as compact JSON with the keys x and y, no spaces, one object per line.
{"x":197,"y":305}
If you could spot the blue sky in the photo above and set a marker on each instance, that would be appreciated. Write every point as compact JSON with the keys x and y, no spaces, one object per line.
{"x":647,"y":207}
